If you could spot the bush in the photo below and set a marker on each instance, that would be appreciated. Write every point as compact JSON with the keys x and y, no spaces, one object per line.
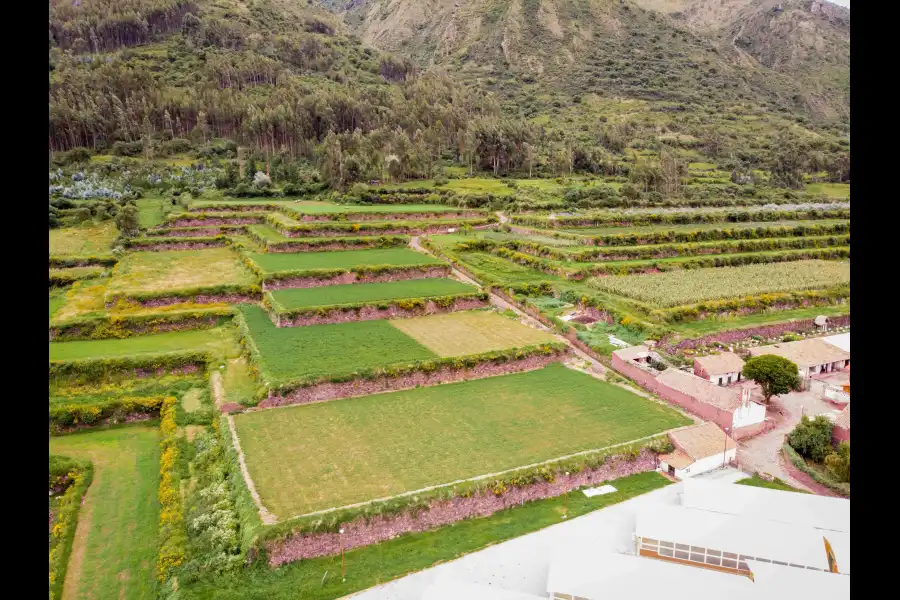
{"x":72,"y":157}
{"x":261,"y":180}
{"x":441,"y":180}
{"x":838,"y":463}
{"x":811,"y":438}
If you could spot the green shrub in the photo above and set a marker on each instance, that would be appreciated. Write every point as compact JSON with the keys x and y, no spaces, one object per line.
{"x":838,"y":463}
{"x":811,"y":438}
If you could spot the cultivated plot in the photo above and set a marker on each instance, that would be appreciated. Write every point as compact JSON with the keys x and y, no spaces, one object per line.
{"x":293,"y":353}
{"x":326,"y":455}
{"x":154,"y":272}
{"x":86,"y":240}
{"x":160,"y":343}
{"x":697,"y":285}
{"x":114,"y":551}
{"x":341,"y":259}
{"x":470,"y":332}
{"x":643,"y":229}
{"x":335,"y":295}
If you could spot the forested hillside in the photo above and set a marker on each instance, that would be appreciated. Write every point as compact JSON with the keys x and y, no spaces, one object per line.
{"x":548,"y":87}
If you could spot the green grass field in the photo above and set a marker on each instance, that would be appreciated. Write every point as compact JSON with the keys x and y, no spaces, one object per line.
{"x":57,"y":299}
{"x":706,"y":326}
{"x":214,"y":340}
{"x":777,"y":484}
{"x":153,"y":211}
{"x":89,"y":239}
{"x":83,"y":299}
{"x":166,"y":271}
{"x":676,"y":288}
{"x":114,"y":551}
{"x":336,"y":453}
{"x":838,"y":191}
{"x":341,"y":259}
{"x":369,"y":292}
{"x":499,"y":270}
{"x":319,"y":578}
{"x":470,"y":332}
{"x":290,"y":353}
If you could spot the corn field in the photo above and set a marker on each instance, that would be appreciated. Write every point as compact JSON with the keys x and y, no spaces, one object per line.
{"x":690,"y":286}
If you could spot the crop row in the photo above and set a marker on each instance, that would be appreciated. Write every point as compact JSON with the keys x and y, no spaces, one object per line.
{"x":630,"y":219}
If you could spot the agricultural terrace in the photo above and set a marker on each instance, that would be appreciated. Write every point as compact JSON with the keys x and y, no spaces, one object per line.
{"x":114,"y":550}
{"x":178,"y":270}
{"x":93,"y":239}
{"x":642,"y":229}
{"x":698,"y":285}
{"x":335,"y":295}
{"x":292,"y":353}
{"x":336,"y":453}
{"x":217,"y":341}
{"x":470,"y":332}
{"x":312,"y":207}
{"x":341,"y":259}
{"x":83,"y":299}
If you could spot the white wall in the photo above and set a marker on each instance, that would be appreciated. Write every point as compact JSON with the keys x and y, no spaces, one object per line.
{"x":749,"y":413}
{"x":724,"y":377}
{"x":706,"y":464}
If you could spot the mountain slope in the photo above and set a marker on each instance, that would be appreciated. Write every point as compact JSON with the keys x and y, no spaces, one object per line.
{"x":614,"y":47}
{"x":808,"y":40}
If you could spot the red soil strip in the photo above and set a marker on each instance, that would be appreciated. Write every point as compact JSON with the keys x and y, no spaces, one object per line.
{"x":371,"y":313}
{"x":352,"y":217}
{"x":321,"y":232}
{"x":304,"y":247}
{"x":351,"y":277}
{"x":323,"y":392}
{"x":361,"y":532}
{"x":202,"y":232}
{"x":216,"y":221}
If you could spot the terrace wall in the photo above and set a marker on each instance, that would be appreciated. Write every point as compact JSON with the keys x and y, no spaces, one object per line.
{"x":324,"y":392}
{"x":646,"y":380}
{"x":352,"y":277}
{"x":372,"y":313}
{"x":765,"y":331}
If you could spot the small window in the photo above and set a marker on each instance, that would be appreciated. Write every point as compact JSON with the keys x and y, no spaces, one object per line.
{"x":731,"y":564}
{"x":666,"y":552}
{"x":729,"y":555}
{"x":696,"y":557}
{"x":682,"y":547}
{"x":714,"y":553}
{"x":666,"y":544}
{"x":714,"y":560}
{"x":682,"y":555}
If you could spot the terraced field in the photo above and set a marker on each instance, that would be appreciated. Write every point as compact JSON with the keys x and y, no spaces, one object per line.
{"x":342,"y":259}
{"x":335,"y":295}
{"x":319,"y":456}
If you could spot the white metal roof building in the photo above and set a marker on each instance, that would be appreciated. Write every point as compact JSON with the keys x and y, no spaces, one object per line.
{"x":841,"y":340}
{"x":611,"y":575}
{"x":727,"y":541}
{"x":774,"y":505}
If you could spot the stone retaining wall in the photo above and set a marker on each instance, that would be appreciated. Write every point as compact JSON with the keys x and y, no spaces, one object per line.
{"x":351,"y":277}
{"x":372,"y":313}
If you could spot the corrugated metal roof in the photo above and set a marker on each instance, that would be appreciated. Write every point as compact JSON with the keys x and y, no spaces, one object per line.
{"x":841,"y":340}
{"x":725,"y":362}
{"x":805,"y":353}
{"x":789,"y":543}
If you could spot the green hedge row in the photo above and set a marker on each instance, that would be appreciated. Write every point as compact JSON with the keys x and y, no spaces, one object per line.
{"x":360,"y":271}
{"x":272,"y":305}
{"x":797,"y":460}
{"x":709,"y":235}
{"x":372,"y":215}
{"x":724,"y":260}
{"x":67,"y":415}
{"x":60,"y":278}
{"x":548,"y":471}
{"x":150,"y":242}
{"x":326,"y":227}
{"x":62,"y":262}
{"x":172,"y":533}
{"x":354,"y":243}
{"x":250,"y":523}
{"x":216,"y":290}
{"x":97,"y":369}
{"x":63,"y":533}
{"x":205,"y":215}
{"x":125,"y":326}
{"x":235,"y":207}
{"x":631,"y":219}
{"x":758,"y":303}
{"x":175,"y":231}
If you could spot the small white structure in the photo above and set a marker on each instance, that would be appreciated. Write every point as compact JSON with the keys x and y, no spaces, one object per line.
{"x":698,"y":449}
{"x":723,"y":369}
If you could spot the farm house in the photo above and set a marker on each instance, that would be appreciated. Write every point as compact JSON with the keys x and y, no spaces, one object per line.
{"x":723,"y":369}
{"x":728,"y":407}
{"x":698,"y":449}
{"x":812,"y":357}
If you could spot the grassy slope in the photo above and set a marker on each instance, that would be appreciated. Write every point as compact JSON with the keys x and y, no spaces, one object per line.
{"x":372,"y":565}
{"x":329,"y":350}
{"x":470,"y":332}
{"x":114,"y":552}
{"x":216,"y":340}
{"x":707,"y":326}
{"x":369,"y":292}
{"x":178,"y":270}
{"x":342,"y":259}
{"x":90,"y":239}
{"x":777,"y":484}
{"x":335,"y":453}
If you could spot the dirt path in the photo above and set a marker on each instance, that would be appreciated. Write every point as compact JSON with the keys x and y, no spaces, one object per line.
{"x":503,"y":218}
{"x":218,"y":390}
{"x":267,"y":517}
{"x":82,"y":529}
